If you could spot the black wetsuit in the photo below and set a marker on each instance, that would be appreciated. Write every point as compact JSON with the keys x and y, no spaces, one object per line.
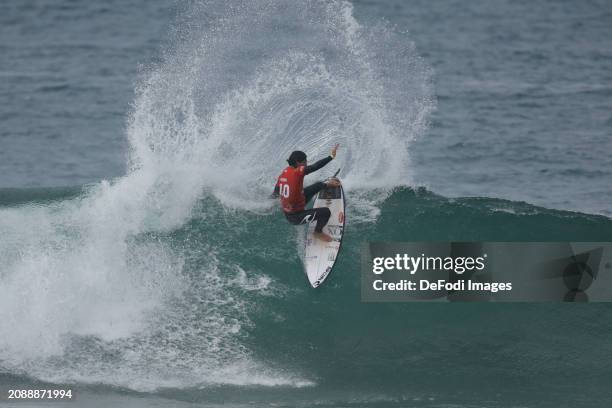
{"x":320,"y":215}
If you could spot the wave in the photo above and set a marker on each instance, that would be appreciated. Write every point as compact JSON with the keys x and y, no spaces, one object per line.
{"x":182,"y":274}
{"x":205,"y":303}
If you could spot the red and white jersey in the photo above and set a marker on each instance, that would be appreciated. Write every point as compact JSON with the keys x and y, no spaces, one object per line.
{"x":291,"y":189}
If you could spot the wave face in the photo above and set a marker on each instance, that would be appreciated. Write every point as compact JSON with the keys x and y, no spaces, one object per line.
{"x":218,"y":308}
{"x":150,"y":281}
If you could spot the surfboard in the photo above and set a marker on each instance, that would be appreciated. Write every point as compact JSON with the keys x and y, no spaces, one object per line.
{"x":320,"y":256}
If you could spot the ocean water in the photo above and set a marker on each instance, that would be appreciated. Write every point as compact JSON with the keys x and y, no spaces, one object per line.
{"x":144,"y":265}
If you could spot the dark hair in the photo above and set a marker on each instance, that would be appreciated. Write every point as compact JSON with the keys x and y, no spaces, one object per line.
{"x":295,"y":157}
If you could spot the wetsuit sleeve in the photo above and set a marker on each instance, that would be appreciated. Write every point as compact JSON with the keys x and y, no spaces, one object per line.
{"x":310,"y":191}
{"x":316,"y":166}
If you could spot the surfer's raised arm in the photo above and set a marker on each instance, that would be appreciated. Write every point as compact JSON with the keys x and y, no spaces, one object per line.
{"x":316,"y":166}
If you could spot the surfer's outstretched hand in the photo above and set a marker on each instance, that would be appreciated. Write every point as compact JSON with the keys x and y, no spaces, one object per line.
{"x":333,"y":182}
{"x":333,"y":152}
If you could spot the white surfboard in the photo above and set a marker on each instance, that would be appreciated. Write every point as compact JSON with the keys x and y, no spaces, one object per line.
{"x":320,"y":256}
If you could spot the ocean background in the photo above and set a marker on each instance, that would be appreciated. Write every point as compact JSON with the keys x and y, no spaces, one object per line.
{"x":142,"y":263}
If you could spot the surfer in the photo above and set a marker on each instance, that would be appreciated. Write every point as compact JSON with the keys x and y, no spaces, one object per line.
{"x":293,"y":195}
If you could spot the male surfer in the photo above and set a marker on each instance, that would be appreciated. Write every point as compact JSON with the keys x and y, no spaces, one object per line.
{"x":293,"y":195}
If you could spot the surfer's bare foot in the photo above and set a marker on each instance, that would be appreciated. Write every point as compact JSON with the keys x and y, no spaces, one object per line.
{"x":322,"y":236}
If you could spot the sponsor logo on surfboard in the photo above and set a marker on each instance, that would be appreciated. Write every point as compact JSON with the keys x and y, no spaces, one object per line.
{"x":334,"y":230}
{"x":322,"y":278}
